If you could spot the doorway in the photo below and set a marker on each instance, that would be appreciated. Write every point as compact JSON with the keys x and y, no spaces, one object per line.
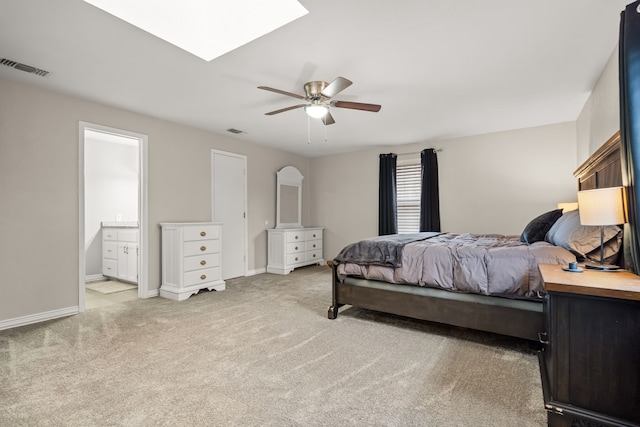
{"x":229,"y":206}
{"x":113,"y":183}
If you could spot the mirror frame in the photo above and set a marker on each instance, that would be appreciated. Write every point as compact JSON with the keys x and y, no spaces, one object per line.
{"x":291,"y":176}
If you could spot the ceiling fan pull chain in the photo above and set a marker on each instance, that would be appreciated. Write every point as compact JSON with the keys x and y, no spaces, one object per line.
{"x":308,"y":130}
{"x":325,"y":132}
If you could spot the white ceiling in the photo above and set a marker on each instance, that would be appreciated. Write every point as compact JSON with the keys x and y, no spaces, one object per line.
{"x":439,"y":68}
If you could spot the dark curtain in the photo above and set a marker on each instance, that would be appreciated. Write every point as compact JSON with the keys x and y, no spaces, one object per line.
{"x":629,"y":65}
{"x":387,"y":206}
{"x":429,"y":196}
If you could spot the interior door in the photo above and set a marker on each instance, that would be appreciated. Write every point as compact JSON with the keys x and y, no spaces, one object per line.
{"x":229,"y":203}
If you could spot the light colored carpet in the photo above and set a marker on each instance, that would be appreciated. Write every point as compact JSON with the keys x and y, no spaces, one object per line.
{"x":262,"y":353}
{"x":109,"y":286}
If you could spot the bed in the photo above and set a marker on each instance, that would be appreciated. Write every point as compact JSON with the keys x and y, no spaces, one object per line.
{"x":484,"y":282}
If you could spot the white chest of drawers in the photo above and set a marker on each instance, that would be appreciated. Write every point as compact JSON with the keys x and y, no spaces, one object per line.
{"x":291,"y":248}
{"x":190,"y":258}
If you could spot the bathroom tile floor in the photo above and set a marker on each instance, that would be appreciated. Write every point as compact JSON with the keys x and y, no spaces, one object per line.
{"x":95,"y":299}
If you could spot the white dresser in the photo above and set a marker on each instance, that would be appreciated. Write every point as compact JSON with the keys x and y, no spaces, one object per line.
{"x":120,"y":252}
{"x":190,"y":258}
{"x":291,"y":248}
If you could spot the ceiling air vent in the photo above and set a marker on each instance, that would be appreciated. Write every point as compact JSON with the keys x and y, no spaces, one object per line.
{"x":23,"y":67}
{"x":236,"y":131}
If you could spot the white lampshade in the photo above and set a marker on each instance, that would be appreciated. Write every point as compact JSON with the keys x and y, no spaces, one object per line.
{"x":316,"y":111}
{"x":604,"y":206}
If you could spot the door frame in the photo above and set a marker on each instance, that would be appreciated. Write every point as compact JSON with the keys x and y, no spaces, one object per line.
{"x":213,"y":200}
{"x":143,"y":207}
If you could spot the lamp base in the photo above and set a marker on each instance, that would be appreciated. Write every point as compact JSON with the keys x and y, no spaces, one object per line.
{"x":602,"y":267}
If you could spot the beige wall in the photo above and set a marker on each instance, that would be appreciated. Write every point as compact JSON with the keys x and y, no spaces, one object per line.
{"x":600,"y":117}
{"x":39,"y":191}
{"x":494,"y":183}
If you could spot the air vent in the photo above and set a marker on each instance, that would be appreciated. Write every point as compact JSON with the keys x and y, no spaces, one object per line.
{"x":23,"y":67}
{"x":232,"y":130}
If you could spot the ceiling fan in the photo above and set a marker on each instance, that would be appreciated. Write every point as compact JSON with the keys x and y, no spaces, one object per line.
{"x":318,"y":96}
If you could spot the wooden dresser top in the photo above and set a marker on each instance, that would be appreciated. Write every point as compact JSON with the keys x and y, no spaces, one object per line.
{"x":619,"y":284}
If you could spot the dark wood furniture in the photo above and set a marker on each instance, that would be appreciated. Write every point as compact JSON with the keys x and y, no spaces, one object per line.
{"x":518,"y":318}
{"x":603,"y":168}
{"x":590,"y":362}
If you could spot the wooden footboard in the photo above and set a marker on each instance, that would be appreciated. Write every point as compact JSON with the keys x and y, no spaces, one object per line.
{"x":517,"y":318}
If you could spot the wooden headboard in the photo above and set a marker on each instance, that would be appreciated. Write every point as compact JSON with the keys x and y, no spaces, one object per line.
{"x":603,"y":168}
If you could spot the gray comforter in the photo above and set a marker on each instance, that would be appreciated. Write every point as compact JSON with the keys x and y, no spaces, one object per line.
{"x":381,"y":250}
{"x":487,"y":264}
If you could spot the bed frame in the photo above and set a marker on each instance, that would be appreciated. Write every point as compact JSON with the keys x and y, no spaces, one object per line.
{"x":517,"y":318}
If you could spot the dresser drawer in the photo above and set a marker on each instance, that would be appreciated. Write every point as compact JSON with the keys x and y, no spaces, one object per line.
{"x":205,"y":232}
{"x":295,"y":258}
{"x":313,"y":245}
{"x":201,"y":276}
{"x":313,"y":235}
{"x":109,"y":234}
{"x":295,"y":236}
{"x":199,"y":262}
{"x":294,"y":248}
{"x":313,"y":255}
{"x":128,"y":235}
{"x":110,"y":250}
{"x":201,"y":247}
{"x":110,"y":267}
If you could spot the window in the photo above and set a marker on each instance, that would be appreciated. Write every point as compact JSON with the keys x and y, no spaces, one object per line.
{"x":408,"y":197}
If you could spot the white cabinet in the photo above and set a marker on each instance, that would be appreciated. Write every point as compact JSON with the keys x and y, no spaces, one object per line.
{"x":120,"y":253}
{"x":128,"y":262}
{"x":190,"y":258}
{"x":294,"y":247}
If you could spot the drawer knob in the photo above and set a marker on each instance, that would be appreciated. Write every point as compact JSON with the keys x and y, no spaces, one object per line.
{"x":296,"y":248}
{"x":296,"y":258}
{"x":314,"y":255}
{"x":296,"y":237}
{"x":203,"y":248}
{"x":314,"y":245}
{"x":203,"y":262}
{"x":203,"y":233}
{"x":314,"y":235}
{"x":204,"y":276}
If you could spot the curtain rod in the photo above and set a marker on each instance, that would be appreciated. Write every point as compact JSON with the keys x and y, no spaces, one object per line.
{"x":419,"y":152}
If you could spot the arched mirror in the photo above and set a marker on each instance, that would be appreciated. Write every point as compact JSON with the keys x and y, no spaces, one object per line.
{"x":289,"y":198}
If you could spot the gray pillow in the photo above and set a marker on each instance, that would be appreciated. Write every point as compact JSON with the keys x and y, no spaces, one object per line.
{"x":537,"y":229}
{"x":580,"y":239}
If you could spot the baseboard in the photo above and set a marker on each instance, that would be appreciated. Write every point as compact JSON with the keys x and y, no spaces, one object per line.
{"x":151,"y":293}
{"x":256,"y":271}
{"x":38,"y":317}
{"x":94,"y":278}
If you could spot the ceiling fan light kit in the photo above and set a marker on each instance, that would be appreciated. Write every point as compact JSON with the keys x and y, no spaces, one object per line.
{"x":318,"y":96}
{"x":316,"y":111}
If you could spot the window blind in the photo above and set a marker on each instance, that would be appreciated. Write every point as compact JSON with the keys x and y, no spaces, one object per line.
{"x":408,"y":195}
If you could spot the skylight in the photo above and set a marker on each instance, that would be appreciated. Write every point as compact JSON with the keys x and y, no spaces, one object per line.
{"x":205,"y":28}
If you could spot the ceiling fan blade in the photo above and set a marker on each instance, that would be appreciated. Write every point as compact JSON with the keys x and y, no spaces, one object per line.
{"x":336,"y":86}
{"x":356,"y":106}
{"x":328,"y":119}
{"x":282,"y":110}
{"x":281,"y":92}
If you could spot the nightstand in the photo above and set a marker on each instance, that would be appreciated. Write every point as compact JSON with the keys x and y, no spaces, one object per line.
{"x":590,"y":361}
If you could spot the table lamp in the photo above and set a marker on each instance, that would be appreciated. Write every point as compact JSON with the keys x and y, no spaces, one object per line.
{"x":600,"y":207}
